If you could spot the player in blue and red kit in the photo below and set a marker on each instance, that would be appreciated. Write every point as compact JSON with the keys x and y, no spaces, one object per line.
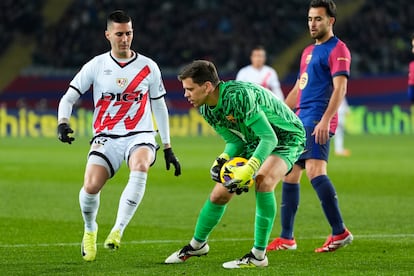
{"x":411,"y":74}
{"x":316,"y":96}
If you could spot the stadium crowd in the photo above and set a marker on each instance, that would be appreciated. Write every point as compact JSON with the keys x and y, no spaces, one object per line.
{"x":176,"y":32}
{"x":378,"y":36}
{"x":19,"y":17}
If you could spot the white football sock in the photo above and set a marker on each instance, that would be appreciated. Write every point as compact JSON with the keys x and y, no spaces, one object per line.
{"x":130,"y":199}
{"x":259,"y":254}
{"x":196,"y":244}
{"x":89,"y":205}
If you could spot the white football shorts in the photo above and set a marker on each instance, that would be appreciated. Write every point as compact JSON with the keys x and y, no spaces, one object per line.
{"x":111,"y":152}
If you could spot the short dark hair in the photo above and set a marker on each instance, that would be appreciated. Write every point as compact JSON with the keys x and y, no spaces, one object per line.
{"x":329,"y":6}
{"x":258,"y":47}
{"x":118,"y":16}
{"x":200,"y":71}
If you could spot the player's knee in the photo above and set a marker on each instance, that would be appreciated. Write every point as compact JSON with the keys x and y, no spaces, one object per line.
{"x":91,"y":187}
{"x":219,"y":200}
{"x":139,"y":166}
{"x":95,"y":178}
{"x":220,"y":195}
{"x":266,"y":183}
{"x":294,"y":175}
{"x":311,"y":174}
{"x":315,"y":168}
{"x":141,"y":158}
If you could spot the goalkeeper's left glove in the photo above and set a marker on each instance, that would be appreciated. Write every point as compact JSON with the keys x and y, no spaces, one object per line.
{"x":216,"y":167}
{"x":242,"y":176}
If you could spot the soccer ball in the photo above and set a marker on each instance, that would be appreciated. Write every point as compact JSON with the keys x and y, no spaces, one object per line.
{"x":226,"y":175}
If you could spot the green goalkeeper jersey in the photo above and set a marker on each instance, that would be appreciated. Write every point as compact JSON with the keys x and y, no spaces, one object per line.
{"x":253,"y":122}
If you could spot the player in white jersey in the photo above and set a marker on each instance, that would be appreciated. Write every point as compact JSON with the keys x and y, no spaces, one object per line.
{"x":260,"y":73}
{"x":343,"y":111}
{"x":127,"y":89}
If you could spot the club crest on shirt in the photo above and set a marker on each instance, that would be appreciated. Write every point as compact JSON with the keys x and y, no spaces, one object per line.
{"x":121,"y":82}
{"x":231,"y":118}
{"x":303,"y":80}
{"x":308,"y":59}
{"x":161,"y":87}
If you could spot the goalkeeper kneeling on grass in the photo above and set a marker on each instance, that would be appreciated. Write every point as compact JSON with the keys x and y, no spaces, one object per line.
{"x":254,"y":125}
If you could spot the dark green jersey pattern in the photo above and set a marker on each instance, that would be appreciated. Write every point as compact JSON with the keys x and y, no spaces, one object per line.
{"x":253,"y":122}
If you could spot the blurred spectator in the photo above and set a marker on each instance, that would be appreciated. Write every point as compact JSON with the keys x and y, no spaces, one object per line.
{"x":42,"y":105}
{"x":260,"y":73}
{"x":339,"y":137}
{"x":21,"y":103}
{"x":411,"y":74}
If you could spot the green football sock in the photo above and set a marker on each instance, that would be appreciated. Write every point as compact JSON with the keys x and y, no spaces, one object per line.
{"x":210,"y":216}
{"x":265,"y":216}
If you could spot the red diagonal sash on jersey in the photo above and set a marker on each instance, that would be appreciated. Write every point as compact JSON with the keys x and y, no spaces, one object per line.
{"x":265,"y":80}
{"x":130,"y":123}
{"x":109,"y":122}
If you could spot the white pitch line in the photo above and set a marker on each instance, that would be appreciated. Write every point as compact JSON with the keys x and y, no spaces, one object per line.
{"x":368,"y":237}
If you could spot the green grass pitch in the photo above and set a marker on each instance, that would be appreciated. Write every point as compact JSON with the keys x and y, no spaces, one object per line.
{"x":41,"y":225}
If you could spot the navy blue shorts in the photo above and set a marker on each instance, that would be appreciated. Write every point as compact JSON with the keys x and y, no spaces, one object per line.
{"x":313,"y":150}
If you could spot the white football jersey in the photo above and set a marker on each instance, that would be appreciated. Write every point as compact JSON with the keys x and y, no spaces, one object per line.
{"x":121,"y":93}
{"x":265,"y":77}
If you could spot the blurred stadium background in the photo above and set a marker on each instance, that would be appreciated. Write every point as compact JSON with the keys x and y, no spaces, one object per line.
{"x":45,"y":42}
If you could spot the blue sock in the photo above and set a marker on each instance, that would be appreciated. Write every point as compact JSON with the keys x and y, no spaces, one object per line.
{"x":329,"y":201}
{"x":290,"y":202}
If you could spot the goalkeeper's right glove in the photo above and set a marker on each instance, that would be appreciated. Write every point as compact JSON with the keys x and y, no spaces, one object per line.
{"x":242,"y":176}
{"x":217,"y":165}
{"x":63,"y":131}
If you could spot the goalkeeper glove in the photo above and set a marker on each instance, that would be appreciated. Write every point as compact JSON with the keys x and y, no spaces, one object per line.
{"x":171,"y":159}
{"x":217,"y":165}
{"x":63,"y":131}
{"x":242,"y":176}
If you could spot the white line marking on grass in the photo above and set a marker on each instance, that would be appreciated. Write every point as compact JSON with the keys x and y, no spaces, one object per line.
{"x":374,"y":236}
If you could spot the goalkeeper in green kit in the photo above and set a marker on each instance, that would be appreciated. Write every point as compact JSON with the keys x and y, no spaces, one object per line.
{"x":255,"y":125}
